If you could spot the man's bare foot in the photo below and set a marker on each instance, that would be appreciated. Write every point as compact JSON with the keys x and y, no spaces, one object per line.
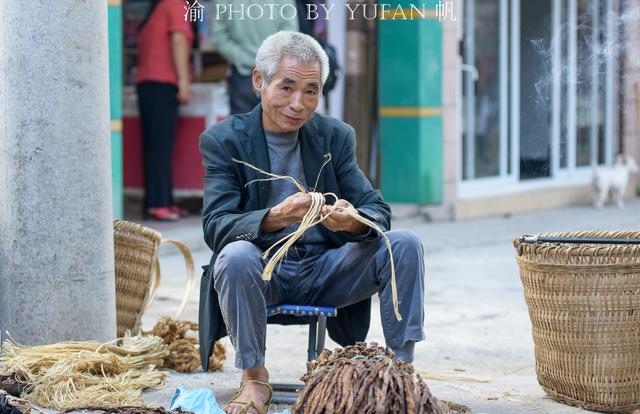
{"x":252,"y":391}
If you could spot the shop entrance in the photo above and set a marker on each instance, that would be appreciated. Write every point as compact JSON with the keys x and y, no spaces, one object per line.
{"x":537,"y":93}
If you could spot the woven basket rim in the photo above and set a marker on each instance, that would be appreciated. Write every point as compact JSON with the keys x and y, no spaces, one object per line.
{"x":580,"y":249}
{"x":128,"y":226}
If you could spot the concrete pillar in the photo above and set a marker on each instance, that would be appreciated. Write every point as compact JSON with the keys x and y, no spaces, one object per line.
{"x":56,"y":237}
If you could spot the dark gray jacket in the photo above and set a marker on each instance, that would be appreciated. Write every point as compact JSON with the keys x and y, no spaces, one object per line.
{"x":233,"y":212}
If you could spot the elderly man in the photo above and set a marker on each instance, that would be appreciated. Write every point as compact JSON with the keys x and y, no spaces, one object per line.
{"x":339,"y":263}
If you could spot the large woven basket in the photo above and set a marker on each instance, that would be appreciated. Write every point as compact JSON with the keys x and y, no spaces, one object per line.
{"x":138,"y":272}
{"x":584,"y":304}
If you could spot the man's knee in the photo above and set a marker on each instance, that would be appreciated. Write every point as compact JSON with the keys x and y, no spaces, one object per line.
{"x":405,"y":240}
{"x":238,"y":261}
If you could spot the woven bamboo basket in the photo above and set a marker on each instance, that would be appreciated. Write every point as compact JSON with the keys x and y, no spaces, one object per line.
{"x":584,"y":305}
{"x":137,"y":271}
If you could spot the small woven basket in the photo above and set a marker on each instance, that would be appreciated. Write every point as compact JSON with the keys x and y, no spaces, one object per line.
{"x":584,"y":304}
{"x":137,"y":271}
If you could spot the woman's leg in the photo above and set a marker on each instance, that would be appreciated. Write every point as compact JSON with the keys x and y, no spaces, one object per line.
{"x":158,"y":117}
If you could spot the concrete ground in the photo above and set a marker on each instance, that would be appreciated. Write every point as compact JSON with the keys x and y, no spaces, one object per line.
{"x":477,"y":323}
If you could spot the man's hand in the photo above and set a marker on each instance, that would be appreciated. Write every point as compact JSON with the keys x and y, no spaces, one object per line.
{"x":341,"y":220}
{"x":290,"y":211}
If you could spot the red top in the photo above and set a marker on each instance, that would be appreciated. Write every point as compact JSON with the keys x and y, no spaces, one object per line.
{"x":155,"y":57}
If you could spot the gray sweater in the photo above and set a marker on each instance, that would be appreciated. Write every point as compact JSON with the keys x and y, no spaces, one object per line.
{"x":285,"y":159}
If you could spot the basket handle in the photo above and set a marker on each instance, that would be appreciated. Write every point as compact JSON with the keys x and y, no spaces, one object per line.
{"x":155,"y":277}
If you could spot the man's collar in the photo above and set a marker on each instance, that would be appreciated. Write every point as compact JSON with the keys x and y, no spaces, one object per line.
{"x":312,"y":147}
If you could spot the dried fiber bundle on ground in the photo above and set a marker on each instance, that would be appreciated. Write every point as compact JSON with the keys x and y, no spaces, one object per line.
{"x":13,"y":405}
{"x":125,"y":410}
{"x":73,"y":374}
{"x":363,"y":379}
{"x":10,"y":386}
{"x":183,"y":349}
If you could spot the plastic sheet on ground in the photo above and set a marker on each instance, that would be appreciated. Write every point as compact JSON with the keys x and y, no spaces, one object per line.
{"x":195,"y":400}
{"x":199,"y":401}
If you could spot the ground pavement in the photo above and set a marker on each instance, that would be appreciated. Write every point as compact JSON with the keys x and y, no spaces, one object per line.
{"x":477,"y":325}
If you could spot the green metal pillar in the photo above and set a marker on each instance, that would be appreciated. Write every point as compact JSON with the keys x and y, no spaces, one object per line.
{"x":410,"y":83}
{"x":115,"y":95}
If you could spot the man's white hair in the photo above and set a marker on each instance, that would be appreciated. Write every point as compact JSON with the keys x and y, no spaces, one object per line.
{"x":304,"y":48}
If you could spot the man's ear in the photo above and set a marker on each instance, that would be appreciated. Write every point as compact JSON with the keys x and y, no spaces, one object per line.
{"x":257,"y":79}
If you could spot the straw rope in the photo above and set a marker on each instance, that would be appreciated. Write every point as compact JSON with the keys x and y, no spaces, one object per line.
{"x":443,"y":377}
{"x":183,"y":348}
{"x":311,"y":218}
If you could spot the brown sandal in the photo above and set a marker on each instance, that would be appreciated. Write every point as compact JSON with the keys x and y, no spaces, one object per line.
{"x":247,"y":405}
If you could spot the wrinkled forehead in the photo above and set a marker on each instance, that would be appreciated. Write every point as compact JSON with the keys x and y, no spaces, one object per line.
{"x":293,"y":69}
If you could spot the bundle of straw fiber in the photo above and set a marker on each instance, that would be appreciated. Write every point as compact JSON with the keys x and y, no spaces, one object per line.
{"x":363,"y":379}
{"x":311,"y":218}
{"x":75,"y":374}
{"x":183,"y":349}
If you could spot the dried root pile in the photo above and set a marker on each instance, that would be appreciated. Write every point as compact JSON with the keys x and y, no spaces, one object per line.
{"x":363,"y":379}
{"x":73,"y":374}
{"x":183,"y":349}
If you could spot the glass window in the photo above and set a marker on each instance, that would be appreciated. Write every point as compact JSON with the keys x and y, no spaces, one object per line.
{"x":584,"y":82}
{"x":535,"y":89}
{"x":481,"y":89}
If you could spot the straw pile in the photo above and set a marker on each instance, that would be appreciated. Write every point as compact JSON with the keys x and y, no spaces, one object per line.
{"x":363,"y":379}
{"x":183,"y":349}
{"x":75,"y":374}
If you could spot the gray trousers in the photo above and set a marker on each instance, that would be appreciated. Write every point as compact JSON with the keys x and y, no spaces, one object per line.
{"x":323,"y":277}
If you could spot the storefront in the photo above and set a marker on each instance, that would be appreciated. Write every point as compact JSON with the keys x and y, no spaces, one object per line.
{"x":538,"y":100}
{"x":496,"y":107}
{"x":207,"y":104}
{"x":538,"y":92}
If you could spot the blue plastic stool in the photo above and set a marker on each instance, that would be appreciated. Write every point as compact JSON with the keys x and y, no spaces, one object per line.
{"x":317,"y":317}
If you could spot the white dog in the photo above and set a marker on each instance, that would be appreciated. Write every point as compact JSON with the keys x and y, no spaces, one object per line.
{"x":612,"y":179}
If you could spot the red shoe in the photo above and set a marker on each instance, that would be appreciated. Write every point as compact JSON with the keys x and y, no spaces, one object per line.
{"x":162,"y":214}
{"x":181,"y":212}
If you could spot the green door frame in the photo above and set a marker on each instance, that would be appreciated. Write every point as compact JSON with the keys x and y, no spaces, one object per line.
{"x":410,"y":99}
{"x":115,"y":98}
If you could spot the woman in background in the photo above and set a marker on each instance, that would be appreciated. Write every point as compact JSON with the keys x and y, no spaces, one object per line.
{"x":163,"y":82}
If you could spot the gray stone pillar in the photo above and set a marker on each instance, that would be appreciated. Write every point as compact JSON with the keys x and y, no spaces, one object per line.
{"x":56,"y":237}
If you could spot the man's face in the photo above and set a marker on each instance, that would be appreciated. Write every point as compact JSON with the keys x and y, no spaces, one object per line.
{"x":291,"y":97}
